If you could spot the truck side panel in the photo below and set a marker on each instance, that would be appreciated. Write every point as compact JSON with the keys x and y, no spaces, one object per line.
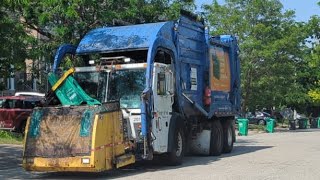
{"x":220,"y":80}
{"x":220,"y":76}
{"x":192,"y":49}
{"x":205,"y":63}
{"x":224,"y":77}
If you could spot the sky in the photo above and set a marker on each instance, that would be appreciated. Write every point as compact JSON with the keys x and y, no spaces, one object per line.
{"x":304,"y":8}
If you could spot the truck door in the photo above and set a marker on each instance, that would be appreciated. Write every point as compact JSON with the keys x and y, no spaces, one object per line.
{"x":163,"y":100}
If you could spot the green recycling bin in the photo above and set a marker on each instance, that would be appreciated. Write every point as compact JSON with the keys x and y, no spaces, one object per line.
{"x":314,"y":123}
{"x":243,"y":127}
{"x":319,"y":122}
{"x":270,"y":125}
{"x":303,"y":123}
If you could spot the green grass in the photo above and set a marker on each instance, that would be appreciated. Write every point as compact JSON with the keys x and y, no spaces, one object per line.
{"x":284,"y":123}
{"x":7,"y":137}
{"x":257,"y":127}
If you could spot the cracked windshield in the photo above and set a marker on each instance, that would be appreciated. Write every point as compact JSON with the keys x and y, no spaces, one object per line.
{"x":93,"y":83}
{"x":127,"y":86}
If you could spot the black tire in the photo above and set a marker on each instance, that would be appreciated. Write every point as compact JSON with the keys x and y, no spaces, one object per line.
{"x":228,"y":136}
{"x":176,"y":155}
{"x":261,"y":122}
{"x":216,"y":141}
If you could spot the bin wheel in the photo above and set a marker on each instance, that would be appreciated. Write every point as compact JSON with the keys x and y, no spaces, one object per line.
{"x":216,"y":140}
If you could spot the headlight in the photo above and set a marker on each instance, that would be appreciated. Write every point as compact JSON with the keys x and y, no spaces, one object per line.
{"x":85,"y":160}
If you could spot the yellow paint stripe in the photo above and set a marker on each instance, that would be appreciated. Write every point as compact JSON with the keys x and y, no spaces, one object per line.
{"x":63,"y":78}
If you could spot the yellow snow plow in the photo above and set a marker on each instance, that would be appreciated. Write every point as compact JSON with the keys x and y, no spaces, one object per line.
{"x":81,"y":138}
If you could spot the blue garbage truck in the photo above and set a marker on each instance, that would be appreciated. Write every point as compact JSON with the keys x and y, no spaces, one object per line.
{"x":136,"y":92}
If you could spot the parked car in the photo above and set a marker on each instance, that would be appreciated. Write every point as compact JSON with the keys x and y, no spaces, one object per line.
{"x":14,"y":111}
{"x":258,"y":117}
{"x":275,"y":114}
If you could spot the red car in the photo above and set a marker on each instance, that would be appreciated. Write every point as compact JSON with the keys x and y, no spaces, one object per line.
{"x":15,"y":110}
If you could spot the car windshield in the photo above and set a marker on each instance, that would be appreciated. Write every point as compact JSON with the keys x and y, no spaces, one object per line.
{"x":10,"y":103}
{"x":126,"y":86}
{"x":1,"y":102}
{"x":19,"y":103}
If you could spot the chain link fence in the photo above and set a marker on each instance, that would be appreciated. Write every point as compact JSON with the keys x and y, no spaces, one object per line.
{"x":25,"y":82}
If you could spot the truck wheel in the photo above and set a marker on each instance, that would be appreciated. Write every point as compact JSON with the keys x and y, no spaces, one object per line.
{"x":216,"y":141}
{"x":228,"y":133}
{"x":177,"y":153}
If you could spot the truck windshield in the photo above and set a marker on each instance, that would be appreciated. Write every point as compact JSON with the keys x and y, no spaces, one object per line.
{"x":93,"y":83}
{"x":126,"y":86}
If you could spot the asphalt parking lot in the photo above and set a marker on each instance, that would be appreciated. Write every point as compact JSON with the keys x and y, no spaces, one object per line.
{"x":281,"y":155}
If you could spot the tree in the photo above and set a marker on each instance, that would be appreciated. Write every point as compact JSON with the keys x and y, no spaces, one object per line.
{"x":271,"y":49}
{"x":60,"y":22}
{"x":313,"y":58}
{"x":14,"y":42}
{"x":68,"y":21}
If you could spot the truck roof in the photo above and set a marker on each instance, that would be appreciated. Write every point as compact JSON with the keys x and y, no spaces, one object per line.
{"x":111,"y":39}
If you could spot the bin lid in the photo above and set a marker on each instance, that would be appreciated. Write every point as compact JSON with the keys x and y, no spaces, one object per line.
{"x":270,"y":119}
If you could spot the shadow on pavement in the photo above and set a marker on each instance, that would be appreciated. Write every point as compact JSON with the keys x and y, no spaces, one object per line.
{"x":10,"y":157}
{"x":244,"y":141}
{"x":281,"y":130}
{"x":156,"y":165}
{"x":10,"y":164}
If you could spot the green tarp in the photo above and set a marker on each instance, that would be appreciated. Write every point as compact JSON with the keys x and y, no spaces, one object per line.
{"x":70,"y":92}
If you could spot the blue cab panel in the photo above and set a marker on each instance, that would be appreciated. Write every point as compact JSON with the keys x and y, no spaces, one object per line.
{"x":110,"y":39}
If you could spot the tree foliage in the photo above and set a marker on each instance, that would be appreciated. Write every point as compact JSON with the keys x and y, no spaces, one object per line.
{"x":64,"y":21}
{"x":14,"y":42}
{"x":313,"y":59}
